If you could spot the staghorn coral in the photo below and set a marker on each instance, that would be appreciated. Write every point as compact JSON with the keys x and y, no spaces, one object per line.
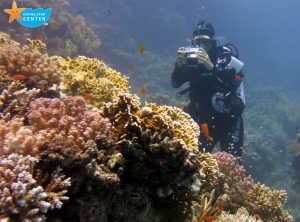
{"x":240,"y":216}
{"x":66,"y":123}
{"x":92,"y":79}
{"x":22,"y":196}
{"x":30,"y":61}
{"x":17,"y":138}
{"x":267,"y":203}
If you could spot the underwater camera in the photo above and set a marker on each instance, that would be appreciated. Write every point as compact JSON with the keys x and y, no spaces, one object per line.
{"x":191,"y":59}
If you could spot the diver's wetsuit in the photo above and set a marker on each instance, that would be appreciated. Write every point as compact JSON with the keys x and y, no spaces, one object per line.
{"x":226,"y":128}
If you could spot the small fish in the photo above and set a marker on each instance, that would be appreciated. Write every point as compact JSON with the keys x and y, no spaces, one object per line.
{"x":220,"y":203}
{"x":108,"y":11}
{"x":18,"y":77}
{"x":205,"y":131}
{"x":257,"y":216}
{"x":142,"y":90}
{"x":40,"y":38}
{"x":215,"y":182}
{"x":235,"y":205}
{"x":210,"y":218}
{"x":88,"y":96}
{"x":141,"y":48}
{"x":42,"y":84}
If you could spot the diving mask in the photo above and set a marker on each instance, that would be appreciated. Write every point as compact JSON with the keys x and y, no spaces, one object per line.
{"x":203,"y":41}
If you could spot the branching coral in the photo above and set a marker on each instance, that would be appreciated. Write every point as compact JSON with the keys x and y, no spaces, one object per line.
{"x":17,"y":138}
{"x":22,"y":197}
{"x":15,"y":99}
{"x":240,"y":216}
{"x":92,"y":79}
{"x":66,"y":123}
{"x":257,"y":198}
{"x":268,"y":203}
{"x":29,"y":62}
{"x":235,"y":176}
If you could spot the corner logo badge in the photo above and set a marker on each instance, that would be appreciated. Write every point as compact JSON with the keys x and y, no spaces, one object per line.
{"x":28,"y":17}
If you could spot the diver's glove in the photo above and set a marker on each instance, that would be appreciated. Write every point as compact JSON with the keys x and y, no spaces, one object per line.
{"x":180,"y":58}
{"x":204,"y":59}
{"x":220,"y":103}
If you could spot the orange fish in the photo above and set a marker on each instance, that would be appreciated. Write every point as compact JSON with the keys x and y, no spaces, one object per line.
{"x":220,"y":203}
{"x":87,"y":96}
{"x":142,"y":90}
{"x":235,"y":205}
{"x":40,"y":38}
{"x":257,"y":216}
{"x":141,"y":48}
{"x":42,"y":84}
{"x":210,"y":218}
{"x":205,"y":131}
{"x":18,"y":77}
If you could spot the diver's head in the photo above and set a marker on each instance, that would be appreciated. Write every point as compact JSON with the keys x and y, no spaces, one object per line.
{"x":203,"y":35}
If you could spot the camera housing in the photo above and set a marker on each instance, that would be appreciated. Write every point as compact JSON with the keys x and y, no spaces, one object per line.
{"x":191,"y":59}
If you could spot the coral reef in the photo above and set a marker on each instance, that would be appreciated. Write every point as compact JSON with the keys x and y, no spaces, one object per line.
{"x":92,"y":79}
{"x":241,"y":215}
{"x":235,"y":175}
{"x":14,"y":97}
{"x":65,"y":34}
{"x":267,"y":203}
{"x":66,"y":123}
{"x":255,"y":197}
{"x":27,"y":63}
{"x":22,"y":196}
{"x":17,"y":138}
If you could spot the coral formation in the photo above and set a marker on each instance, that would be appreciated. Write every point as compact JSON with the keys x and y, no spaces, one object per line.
{"x":22,"y":196}
{"x":181,"y":123}
{"x":14,"y":97}
{"x":92,"y":79}
{"x":28,"y":63}
{"x":256,"y":197}
{"x":66,"y":123}
{"x":240,"y":216}
{"x":17,"y":138}
{"x":235,"y":175}
{"x":267,"y":203}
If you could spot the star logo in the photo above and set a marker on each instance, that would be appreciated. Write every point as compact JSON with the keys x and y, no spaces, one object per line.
{"x":14,"y":12}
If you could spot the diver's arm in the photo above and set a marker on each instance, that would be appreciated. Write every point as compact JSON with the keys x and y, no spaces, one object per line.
{"x":181,"y":75}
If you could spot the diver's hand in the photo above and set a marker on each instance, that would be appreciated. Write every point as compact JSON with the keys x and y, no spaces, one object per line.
{"x":180,"y":58}
{"x":204,"y":59}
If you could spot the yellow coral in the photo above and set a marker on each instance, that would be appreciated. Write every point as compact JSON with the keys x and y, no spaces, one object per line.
{"x":181,"y":123}
{"x":92,"y":79}
{"x":268,"y":203}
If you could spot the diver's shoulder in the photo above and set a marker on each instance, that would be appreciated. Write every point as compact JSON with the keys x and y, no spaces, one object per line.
{"x":224,"y":49}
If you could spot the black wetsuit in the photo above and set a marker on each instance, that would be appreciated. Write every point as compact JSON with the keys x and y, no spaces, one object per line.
{"x":225,"y":128}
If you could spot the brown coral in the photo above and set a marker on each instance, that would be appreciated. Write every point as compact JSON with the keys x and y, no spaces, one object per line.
{"x":267,"y":203}
{"x":22,"y":196}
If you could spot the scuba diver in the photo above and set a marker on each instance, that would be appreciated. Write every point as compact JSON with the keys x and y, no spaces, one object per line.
{"x":215,"y":89}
